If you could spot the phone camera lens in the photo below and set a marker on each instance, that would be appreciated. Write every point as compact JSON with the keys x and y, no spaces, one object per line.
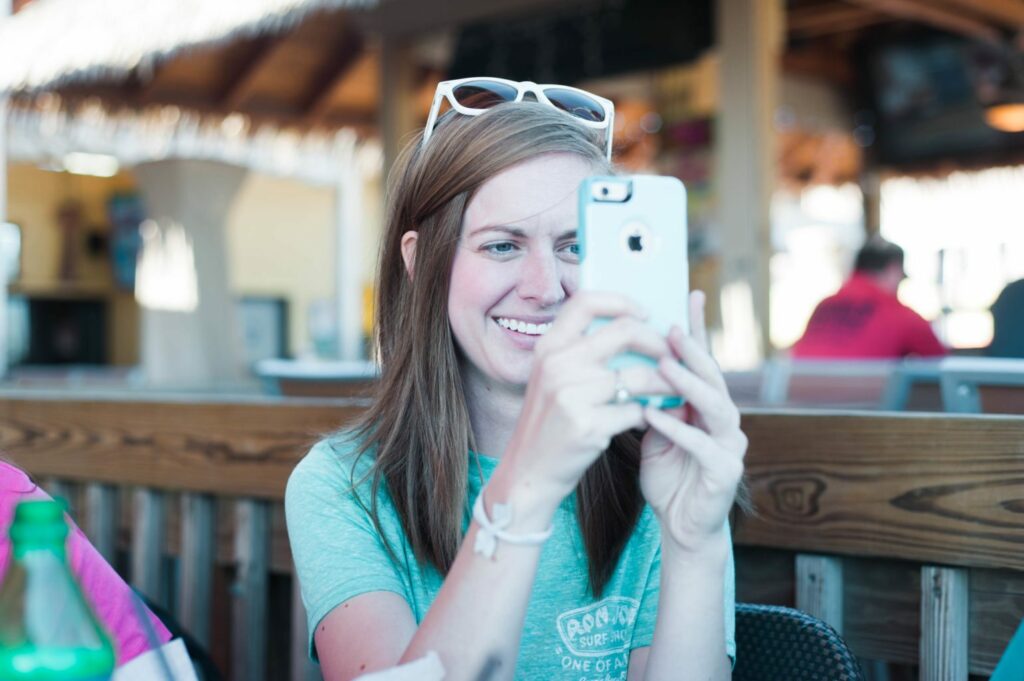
{"x":604,"y":191}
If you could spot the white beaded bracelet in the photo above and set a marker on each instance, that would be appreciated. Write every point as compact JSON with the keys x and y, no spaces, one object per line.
{"x":490,"y":531}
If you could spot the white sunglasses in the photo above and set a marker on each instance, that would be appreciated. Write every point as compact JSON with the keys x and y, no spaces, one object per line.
{"x":473,"y":96}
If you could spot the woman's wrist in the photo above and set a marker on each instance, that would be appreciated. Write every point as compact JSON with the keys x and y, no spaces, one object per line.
{"x":710,"y":551}
{"x":532,"y":507}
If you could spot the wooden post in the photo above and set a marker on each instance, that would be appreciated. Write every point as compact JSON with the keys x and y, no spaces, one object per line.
{"x":249,"y":620}
{"x":101,"y":505}
{"x":198,"y":520}
{"x":749,"y":44}
{"x":148,"y":544}
{"x":944,"y":617}
{"x":819,"y":588}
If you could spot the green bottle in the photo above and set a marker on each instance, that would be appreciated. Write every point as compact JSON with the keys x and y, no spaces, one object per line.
{"x":47,"y":631}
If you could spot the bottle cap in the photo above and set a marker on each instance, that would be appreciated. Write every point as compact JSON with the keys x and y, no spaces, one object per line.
{"x":39,"y":524}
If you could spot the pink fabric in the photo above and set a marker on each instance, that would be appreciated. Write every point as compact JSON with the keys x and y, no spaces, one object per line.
{"x":105,"y":590}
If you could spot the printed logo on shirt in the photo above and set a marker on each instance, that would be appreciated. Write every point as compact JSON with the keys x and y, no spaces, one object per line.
{"x":599,"y":629}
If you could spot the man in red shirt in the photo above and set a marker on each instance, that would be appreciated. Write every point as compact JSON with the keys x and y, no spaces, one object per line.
{"x":865,"y":319}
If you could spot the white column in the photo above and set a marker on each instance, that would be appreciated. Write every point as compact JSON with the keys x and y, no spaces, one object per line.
{"x":350,"y":219}
{"x":200,"y":347}
{"x":5,"y":11}
{"x":749,"y":44}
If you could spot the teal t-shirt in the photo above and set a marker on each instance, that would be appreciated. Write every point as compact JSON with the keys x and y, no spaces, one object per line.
{"x":567,"y":633}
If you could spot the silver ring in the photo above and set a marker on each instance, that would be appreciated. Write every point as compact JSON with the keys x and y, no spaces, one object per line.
{"x":622,"y":394}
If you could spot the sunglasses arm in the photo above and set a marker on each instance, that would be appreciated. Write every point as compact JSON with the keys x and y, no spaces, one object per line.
{"x":439,"y":95}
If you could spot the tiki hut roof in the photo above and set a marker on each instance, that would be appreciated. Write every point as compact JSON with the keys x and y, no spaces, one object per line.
{"x":54,"y":43}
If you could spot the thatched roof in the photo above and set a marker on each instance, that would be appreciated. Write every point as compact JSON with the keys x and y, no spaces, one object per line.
{"x":53,"y":43}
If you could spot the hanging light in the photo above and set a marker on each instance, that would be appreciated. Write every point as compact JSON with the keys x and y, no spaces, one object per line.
{"x":1006,"y":111}
{"x":1006,"y":115}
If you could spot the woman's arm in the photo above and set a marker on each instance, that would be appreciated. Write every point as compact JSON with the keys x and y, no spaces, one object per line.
{"x":691,"y":464}
{"x":688,"y":634}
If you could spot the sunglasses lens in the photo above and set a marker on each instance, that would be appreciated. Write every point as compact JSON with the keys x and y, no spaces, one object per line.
{"x":483,"y":94}
{"x":576,"y":103}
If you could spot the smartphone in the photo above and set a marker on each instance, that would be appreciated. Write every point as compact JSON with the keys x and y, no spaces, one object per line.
{"x":632,"y":238}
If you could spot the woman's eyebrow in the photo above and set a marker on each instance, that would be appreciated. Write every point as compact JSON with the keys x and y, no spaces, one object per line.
{"x":513,"y":231}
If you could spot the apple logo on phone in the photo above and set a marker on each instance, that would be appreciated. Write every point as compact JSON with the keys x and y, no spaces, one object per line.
{"x":636,"y":237}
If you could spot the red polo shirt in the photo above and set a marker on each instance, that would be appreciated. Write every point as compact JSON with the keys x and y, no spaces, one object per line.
{"x":864,"y":321}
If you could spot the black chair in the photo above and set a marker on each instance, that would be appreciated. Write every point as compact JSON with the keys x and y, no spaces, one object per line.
{"x":774,"y":643}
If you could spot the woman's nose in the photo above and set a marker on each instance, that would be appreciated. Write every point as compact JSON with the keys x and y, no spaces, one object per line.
{"x":540,"y":279}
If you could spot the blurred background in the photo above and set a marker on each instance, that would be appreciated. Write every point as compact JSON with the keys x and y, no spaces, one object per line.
{"x":188,"y":189}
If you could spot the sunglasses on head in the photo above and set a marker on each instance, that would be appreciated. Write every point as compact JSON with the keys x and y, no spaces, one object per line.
{"x":473,"y":96}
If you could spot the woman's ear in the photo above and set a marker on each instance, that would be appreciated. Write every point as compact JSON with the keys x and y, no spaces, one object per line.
{"x":409,"y":250}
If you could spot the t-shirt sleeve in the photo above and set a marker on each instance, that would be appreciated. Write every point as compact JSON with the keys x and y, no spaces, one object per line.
{"x":643,"y":632}
{"x":338,"y":552}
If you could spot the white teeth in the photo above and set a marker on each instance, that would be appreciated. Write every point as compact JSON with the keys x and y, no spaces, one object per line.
{"x":524,"y":327}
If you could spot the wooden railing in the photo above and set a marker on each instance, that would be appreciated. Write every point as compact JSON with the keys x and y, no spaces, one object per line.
{"x":906,"y":532}
{"x":897,"y":529}
{"x":198,"y":482}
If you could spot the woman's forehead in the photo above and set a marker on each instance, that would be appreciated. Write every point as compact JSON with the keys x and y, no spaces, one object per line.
{"x":540,"y":188}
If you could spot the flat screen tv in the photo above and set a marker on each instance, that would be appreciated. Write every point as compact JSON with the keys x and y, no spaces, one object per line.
{"x":926,"y":93}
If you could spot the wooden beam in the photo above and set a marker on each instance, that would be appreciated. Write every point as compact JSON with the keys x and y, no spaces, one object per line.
{"x":817,"y":20}
{"x":264,"y":50}
{"x":245,"y":449}
{"x":930,"y":488}
{"x":1007,"y":12}
{"x":350,"y":46}
{"x":926,"y":12}
{"x":409,"y":17}
{"x":820,"y":62}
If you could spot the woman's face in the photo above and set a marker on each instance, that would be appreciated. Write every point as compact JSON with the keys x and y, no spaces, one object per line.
{"x":515,"y":265}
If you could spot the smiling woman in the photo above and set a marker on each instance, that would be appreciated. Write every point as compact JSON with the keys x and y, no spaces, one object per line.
{"x":490,"y":505}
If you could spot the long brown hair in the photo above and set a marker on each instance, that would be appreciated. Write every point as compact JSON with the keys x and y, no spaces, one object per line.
{"x":418,"y":427}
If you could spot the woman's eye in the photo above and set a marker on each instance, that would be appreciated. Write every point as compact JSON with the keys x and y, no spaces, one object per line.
{"x":572,"y":249}
{"x":500,"y":248}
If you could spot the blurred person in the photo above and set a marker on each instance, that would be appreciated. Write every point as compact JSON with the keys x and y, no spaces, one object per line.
{"x":109,"y":596}
{"x":865,"y":319}
{"x":503,"y":505}
{"x":1008,"y":322}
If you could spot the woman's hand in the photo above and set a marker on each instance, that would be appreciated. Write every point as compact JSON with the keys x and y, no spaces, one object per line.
{"x":568,"y":415}
{"x":692,"y":457}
